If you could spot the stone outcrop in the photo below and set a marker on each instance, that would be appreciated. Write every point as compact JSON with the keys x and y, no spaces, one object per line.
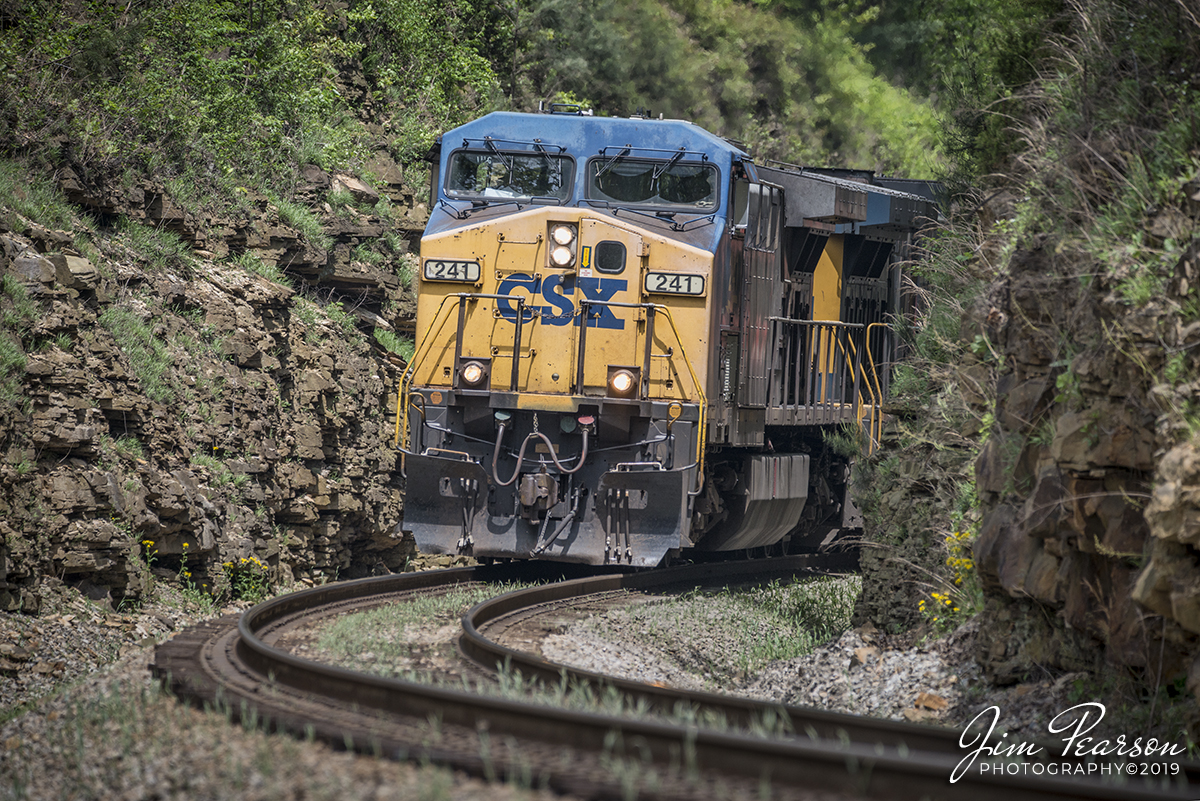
{"x":1090,"y":477}
{"x":174,"y":420}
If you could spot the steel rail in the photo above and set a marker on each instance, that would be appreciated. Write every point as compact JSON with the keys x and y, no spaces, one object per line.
{"x":477,"y":646}
{"x":240,"y":667}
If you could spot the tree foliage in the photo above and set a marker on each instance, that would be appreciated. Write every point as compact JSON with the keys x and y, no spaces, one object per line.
{"x":792,"y":84}
{"x":216,"y":88}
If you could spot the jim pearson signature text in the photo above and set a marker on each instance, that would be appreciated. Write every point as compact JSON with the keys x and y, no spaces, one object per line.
{"x":1071,"y":724}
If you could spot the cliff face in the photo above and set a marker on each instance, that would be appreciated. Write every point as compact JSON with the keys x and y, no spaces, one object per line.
{"x":180,"y":414}
{"x":1090,"y":477}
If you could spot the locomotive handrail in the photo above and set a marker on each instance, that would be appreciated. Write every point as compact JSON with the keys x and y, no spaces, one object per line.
{"x":875,"y":375}
{"x":651,"y":310}
{"x":409,"y":373}
{"x":831,"y":342}
{"x":871,"y":443}
{"x":830,"y":323}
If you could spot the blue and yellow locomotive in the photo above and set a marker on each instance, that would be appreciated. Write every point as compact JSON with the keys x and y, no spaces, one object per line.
{"x":630,"y":339}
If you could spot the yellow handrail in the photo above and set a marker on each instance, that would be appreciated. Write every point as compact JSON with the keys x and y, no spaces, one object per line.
{"x":701,"y":432}
{"x":876,"y":419}
{"x":874,"y":388}
{"x":407,"y":376}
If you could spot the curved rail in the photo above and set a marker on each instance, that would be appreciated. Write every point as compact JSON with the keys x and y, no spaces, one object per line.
{"x":237,"y":667}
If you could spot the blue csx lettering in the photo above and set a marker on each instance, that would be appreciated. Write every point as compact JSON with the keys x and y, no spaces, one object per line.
{"x":556,"y":291}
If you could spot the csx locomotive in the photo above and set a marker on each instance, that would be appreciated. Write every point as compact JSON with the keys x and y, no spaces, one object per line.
{"x":631,"y":340}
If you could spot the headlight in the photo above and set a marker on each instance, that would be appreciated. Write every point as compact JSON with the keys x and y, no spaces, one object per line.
{"x":562,"y":234}
{"x":564,"y":241}
{"x":473,"y":374}
{"x":561,"y":256}
{"x":622,"y":382}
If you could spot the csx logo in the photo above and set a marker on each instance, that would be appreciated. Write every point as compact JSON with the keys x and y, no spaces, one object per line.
{"x":557,"y":290}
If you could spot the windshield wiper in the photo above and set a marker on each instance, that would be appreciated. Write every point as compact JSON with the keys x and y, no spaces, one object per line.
{"x":487,"y":141}
{"x":479,"y":204}
{"x":658,"y":171}
{"x":669,"y":216}
{"x":608,"y":165}
{"x":537,"y":143}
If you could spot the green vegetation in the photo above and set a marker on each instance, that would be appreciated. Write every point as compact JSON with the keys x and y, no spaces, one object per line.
{"x":402,"y":346}
{"x":34,"y":198}
{"x":790,"y":81}
{"x":750,"y":627}
{"x":302,"y":219}
{"x":383,"y":631}
{"x":251,"y":263}
{"x":407,"y":271}
{"x":160,"y":247}
{"x":126,"y":447}
{"x":246,"y":579}
{"x":213,"y":97}
{"x":148,"y":356}
{"x":343,"y":319}
{"x":222,"y":475}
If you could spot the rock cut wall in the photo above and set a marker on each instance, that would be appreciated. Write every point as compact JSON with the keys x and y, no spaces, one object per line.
{"x":1089,"y":478}
{"x":182,"y":418}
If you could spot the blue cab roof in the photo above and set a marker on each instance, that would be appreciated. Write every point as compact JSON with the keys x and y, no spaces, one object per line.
{"x":583,"y":137}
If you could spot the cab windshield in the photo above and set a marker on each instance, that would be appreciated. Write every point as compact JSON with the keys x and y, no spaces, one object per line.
{"x":492,"y":174}
{"x":653,"y":183}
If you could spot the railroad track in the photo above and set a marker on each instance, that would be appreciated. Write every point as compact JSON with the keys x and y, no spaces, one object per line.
{"x":236,"y":663}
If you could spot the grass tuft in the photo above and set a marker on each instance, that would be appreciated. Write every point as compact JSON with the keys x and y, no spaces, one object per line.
{"x":162,"y":249}
{"x":394,"y":343}
{"x":148,"y":356}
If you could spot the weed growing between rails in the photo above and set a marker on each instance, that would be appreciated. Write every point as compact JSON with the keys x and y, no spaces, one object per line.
{"x":401,"y":633}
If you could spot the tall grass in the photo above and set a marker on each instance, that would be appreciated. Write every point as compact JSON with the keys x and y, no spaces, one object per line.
{"x":148,"y":356}
{"x":160,"y":248}
{"x":402,"y":346}
{"x":303,"y":220}
{"x":34,"y":198}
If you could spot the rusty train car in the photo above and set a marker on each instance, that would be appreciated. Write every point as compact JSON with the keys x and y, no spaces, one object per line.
{"x":632,"y":341}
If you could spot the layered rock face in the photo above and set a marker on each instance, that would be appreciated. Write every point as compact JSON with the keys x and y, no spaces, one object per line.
{"x":182,"y":418}
{"x":1090,"y":476}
